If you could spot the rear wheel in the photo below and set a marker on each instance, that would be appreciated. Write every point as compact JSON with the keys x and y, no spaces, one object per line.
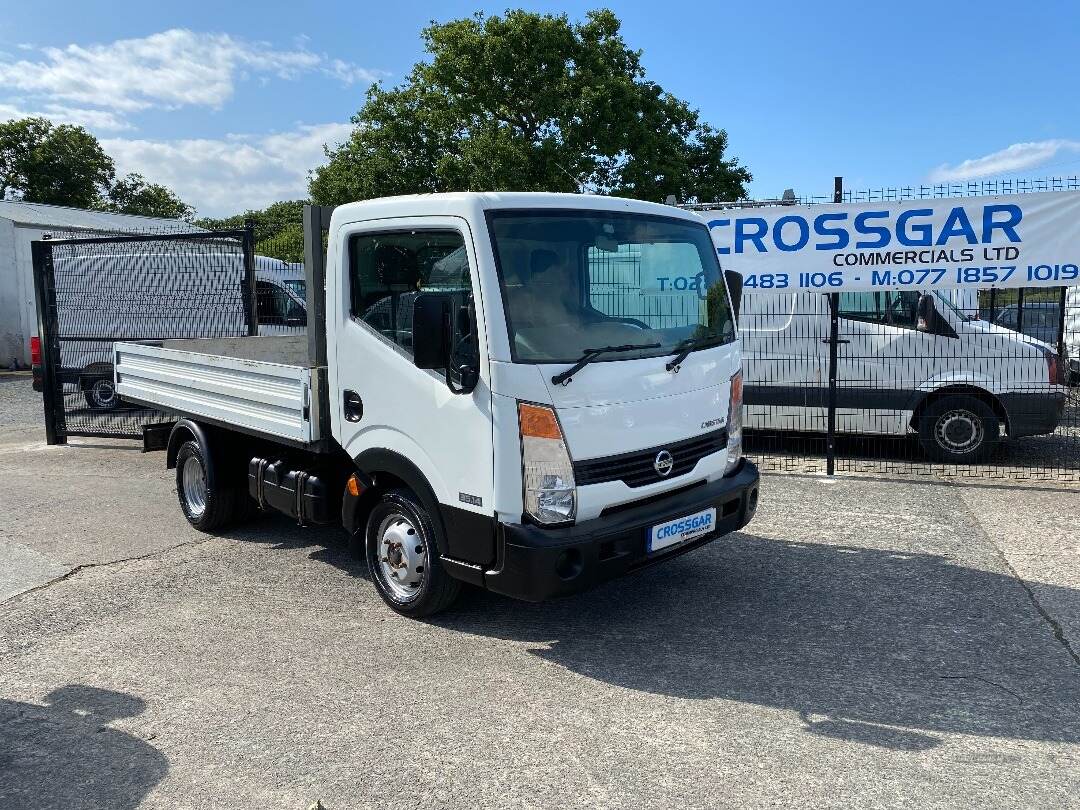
{"x":207,"y":507}
{"x":403,"y":557}
{"x":959,"y":429}
{"x":100,"y":394}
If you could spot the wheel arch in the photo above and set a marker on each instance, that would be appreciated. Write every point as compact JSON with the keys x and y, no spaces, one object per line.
{"x":185,"y":431}
{"x":928,"y":398}
{"x":380,"y":469}
{"x":93,"y":372}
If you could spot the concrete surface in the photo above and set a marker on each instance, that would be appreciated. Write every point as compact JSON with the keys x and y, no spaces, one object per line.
{"x":863,"y":643}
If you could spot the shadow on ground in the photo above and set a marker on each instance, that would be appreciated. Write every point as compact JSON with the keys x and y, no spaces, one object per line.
{"x":881,"y":647}
{"x":878,"y":647}
{"x":64,"y":753}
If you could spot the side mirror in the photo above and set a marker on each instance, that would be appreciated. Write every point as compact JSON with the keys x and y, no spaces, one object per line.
{"x":431,"y":330}
{"x":925,"y":312}
{"x":734,"y":285}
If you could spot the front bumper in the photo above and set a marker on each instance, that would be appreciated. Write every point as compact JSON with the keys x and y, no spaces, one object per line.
{"x":1033,"y":414}
{"x":536,"y":563}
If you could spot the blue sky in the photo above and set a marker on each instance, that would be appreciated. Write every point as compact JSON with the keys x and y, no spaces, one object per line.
{"x":230,"y":103}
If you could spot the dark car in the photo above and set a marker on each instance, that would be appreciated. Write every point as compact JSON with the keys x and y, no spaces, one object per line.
{"x":1040,"y":320}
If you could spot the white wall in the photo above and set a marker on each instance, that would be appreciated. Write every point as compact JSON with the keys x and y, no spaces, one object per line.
{"x":24,"y":235}
{"x":11,"y":327}
{"x":18,"y":310}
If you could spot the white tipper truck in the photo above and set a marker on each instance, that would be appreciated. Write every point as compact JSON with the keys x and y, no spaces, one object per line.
{"x":515,"y":395}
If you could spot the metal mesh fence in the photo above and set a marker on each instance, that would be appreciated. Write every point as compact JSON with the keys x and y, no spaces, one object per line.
{"x":280,"y":284}
{"x":977,"y":188}
{"x":97,"y":290}
{"x":616,"y":288}
{"x":990,"y":391}
{"x":966,"y":399}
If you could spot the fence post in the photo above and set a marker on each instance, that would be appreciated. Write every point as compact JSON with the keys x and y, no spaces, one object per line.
{"x":251,"y":299}
{"x":834,"y":344}
{"x":48,"y":328}
{"x":1020,"y":310}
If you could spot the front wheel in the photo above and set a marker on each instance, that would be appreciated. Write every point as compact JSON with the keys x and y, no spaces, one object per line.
{"x":959,"y":429}
{"x":403,"y":557}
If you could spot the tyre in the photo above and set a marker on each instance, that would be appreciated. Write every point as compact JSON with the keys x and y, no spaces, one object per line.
{"x":403,"y":557}
{"x":206,"y":508}
{"x":959,"y":429}
{"x":100,"y":393}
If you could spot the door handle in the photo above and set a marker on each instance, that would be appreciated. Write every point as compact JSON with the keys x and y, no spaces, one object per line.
{"x":352,"y":406}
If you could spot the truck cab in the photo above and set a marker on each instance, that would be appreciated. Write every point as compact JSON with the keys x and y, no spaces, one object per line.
{"x":518,"y":395}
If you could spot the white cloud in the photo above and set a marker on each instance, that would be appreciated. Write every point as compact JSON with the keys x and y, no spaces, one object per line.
{"x":1016,"y":158}
{"x":229,"y":175}
{"x":169,"y":69}
{"x":99,"y":120}
{"x":348,"y":73}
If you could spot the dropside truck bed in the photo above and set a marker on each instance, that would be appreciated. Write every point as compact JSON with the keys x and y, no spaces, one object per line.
{"x":264,"y":386}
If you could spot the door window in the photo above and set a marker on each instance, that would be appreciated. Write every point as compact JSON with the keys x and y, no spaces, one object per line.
{"x":891,"y":308}
{"x":388,"y":270}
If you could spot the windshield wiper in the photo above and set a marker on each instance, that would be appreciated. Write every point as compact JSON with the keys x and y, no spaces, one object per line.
{"x":591,"y":354}
{"x":683,"y":349}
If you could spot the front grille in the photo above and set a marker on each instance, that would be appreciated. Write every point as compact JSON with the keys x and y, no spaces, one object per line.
{"x":636,"y":469}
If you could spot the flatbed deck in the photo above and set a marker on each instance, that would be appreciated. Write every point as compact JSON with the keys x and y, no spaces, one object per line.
{"x":260,"y":385}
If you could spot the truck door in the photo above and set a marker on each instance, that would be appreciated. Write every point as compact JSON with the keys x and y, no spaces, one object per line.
{"x":382,"y":401}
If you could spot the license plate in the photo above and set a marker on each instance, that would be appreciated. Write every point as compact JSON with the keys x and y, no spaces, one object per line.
{"x":681,"y":529}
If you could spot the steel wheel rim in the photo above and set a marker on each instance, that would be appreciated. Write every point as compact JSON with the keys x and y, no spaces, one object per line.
{"x":401,"y":553}
{"x":103,"y":393}
{"x":194,"y":483}
{"x":959,"y":431}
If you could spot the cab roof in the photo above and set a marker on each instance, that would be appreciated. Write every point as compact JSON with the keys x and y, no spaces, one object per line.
{"x":475,"y":203}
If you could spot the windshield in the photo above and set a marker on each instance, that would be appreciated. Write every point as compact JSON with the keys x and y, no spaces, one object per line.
{"x":952,"y":307}
{"x":573,"y":280}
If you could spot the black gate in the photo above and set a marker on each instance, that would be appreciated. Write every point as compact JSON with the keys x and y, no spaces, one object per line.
{"x":93,"y":291}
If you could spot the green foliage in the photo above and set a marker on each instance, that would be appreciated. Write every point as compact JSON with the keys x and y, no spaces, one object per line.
{"x":529,"y":102}
{"x":133,"y":195}
{"x":43,"y":162}
{"x":57,"y":164}
{"x":279,"y":229}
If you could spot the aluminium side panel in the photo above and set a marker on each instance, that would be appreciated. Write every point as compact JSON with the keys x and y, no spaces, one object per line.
{"x":268,"y":398}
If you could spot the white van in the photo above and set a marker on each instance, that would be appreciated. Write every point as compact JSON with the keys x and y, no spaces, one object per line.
{"x":959,"y":383}
{"x":280,"y":295}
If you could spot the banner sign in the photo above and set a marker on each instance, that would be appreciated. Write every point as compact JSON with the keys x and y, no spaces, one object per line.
{"x":1018,"y":240}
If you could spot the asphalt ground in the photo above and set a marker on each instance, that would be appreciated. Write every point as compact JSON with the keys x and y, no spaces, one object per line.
{"x":864,"y":642}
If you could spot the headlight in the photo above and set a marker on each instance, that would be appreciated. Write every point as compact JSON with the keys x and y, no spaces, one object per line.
{"x":546,"y":469}
{"x":734,"y":423}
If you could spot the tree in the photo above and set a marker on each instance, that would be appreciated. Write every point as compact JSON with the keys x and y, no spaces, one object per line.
{"x":529,"y":102}
{"x":134,"y":195}
{"x":62,"y":164}
{"x":47,"y":163}
{"x":279,"y":229}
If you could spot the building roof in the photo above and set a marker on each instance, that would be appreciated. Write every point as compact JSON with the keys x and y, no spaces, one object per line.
{"x":58,"y":216}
